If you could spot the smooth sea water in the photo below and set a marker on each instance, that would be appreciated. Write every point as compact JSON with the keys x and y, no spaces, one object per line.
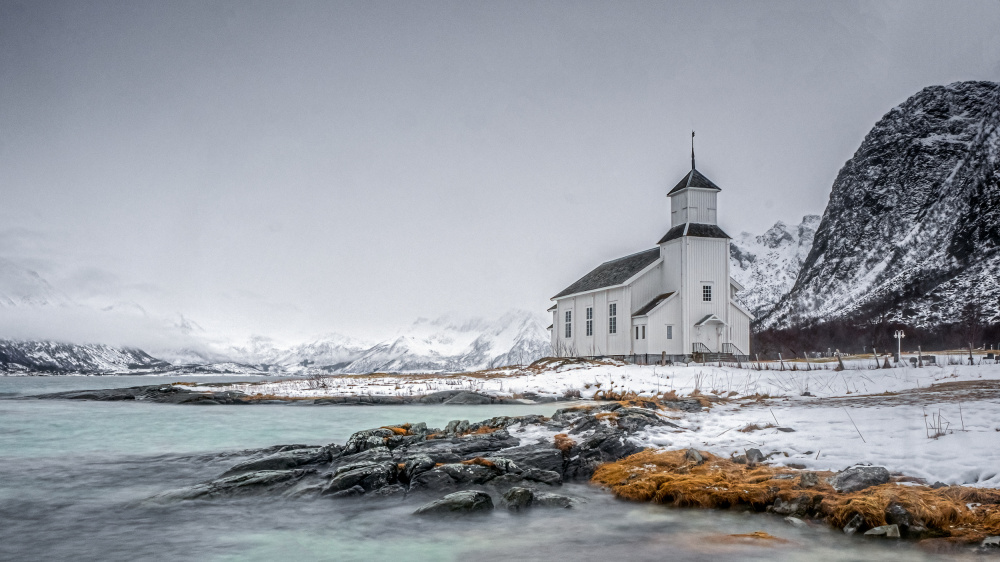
{"x":74,"y":474}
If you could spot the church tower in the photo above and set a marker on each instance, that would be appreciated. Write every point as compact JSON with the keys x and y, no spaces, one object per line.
{"x":695,"y":253}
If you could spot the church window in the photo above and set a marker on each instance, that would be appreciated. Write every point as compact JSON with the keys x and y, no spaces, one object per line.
{"x":706,"y":293}
{"x":643,"y":332}
{"x":670,"y":332}
{"x":613,"y":318}
{"x":590,"y":321}
{"x":569,"y":323}
{"x":636,"y":332}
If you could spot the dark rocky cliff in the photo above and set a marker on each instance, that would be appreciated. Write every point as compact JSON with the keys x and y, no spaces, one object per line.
{"x":912,"y":230}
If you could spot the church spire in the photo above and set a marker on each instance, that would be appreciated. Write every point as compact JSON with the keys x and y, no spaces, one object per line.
{"x":692,"y":150}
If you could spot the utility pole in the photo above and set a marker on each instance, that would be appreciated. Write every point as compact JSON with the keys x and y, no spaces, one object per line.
{"x":899,"y":335}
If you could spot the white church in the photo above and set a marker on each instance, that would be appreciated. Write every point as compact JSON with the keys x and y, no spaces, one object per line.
{"x":676,"y":299}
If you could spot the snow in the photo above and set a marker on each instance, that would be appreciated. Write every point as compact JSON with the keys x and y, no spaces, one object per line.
{"x":859,"y":415}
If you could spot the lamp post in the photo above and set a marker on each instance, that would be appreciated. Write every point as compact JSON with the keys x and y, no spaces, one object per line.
{"x":899,"y":335}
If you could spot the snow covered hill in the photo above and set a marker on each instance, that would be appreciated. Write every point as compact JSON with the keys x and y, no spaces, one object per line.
{"x":912,"y":229}
{"x":767,"y":264}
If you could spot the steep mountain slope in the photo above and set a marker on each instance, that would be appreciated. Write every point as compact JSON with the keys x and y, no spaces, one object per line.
{"x":449,"y":345}
{"x":912,"y":229}
{"x":767,"y":265}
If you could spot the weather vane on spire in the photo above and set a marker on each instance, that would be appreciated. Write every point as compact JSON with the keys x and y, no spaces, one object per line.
{"x":692,"y":150}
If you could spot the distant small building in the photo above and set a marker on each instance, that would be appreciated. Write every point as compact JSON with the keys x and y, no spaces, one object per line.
{"x":676,"y":298}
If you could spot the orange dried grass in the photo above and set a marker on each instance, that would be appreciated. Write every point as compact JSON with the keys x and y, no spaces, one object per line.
{"x":564,"y":442}
{"x":667,"y":477}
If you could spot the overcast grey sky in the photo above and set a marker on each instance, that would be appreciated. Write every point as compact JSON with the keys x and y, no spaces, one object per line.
{"x":295,"y":167}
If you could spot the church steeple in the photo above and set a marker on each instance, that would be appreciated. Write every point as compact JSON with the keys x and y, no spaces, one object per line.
{"x":692,"y":150}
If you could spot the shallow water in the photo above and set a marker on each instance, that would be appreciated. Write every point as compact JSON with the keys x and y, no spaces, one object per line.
{"x":73,"y":477}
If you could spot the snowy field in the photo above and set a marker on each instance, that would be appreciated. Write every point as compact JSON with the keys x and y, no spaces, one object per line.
{"x":935,"y":423}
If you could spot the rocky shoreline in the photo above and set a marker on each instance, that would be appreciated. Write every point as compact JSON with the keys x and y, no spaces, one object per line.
{"x":204,"y":394}
{"x":520,"y":461}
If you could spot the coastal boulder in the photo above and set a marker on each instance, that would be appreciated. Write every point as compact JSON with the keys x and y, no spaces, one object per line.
{"x":858,"y":478}
{"x":458,"y":503}
{"x":283,"y":460}
{"x":368,"y":475}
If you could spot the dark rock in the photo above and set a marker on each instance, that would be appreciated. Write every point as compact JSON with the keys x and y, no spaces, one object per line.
{"x":693,"y":456}
{"x":284,"y":460}
{"x":469,"y":398}
{"x":938,"y":484}
{"x":469,"y":474}
{"x":542,"y":476}
{"x":786,"y":429}
{"x":439,"y":397}
{"x":633,"y":422}
{"x":887,"y":531}
{"x":457,"y":426}
{"x":909,"y":526}
{"x":264,"y":481}
{"x":351,"y":492}
{"x":603,"y":446}
{"x":859,"y":478}
{"x":369,"y":476}
{"x":390,"y":490}
{"x":796,"y":522}
{"x":415,"y":466}
{"x":543,"y":457}
{"x":468,"y":501}
{"x":855,"y":523}
{"x":754,"y":456}
{"x":797,"y":507}
{"x":375,"y":454}
{"x":367,"y":439}
{"x":517,"y":499}
{"x":991,"y":543}
{"x":808,"y":480}
{"x":544,"y":499}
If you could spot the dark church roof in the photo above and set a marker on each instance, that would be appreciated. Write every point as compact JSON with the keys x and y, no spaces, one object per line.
{"x":694,"y":178}
{"x":652,"y":304}
{"x":614,"y":272}
{"x":693,"y":229}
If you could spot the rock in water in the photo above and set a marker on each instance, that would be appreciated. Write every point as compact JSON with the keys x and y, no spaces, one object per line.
{"x":888,"y":531}
{"x":912,"y":229}
{"x":859,"y":478}
{"x":469,"y":501}
{"x":517,"y":498}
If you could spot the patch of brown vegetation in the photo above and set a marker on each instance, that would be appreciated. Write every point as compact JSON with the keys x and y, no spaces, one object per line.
{"x":755,"y":427}
{"x":481,"y":462}
{"x":398,"y":429}
{"x":611,"y":417}
{"x":964,"y":514}
{"x":564,"y":442}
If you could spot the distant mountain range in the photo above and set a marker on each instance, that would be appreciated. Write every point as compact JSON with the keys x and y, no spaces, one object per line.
{"x":443,"y":344}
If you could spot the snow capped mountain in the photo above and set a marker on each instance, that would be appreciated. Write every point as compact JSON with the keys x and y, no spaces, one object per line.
{"x":50,"y":357}
{"x":327,"y":350}
{"x":447,"y":344}
{"x":912,"y":229}
{"x":767,"y":265}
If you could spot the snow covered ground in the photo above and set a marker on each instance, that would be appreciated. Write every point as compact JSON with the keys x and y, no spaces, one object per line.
{"x":886,"y":417}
